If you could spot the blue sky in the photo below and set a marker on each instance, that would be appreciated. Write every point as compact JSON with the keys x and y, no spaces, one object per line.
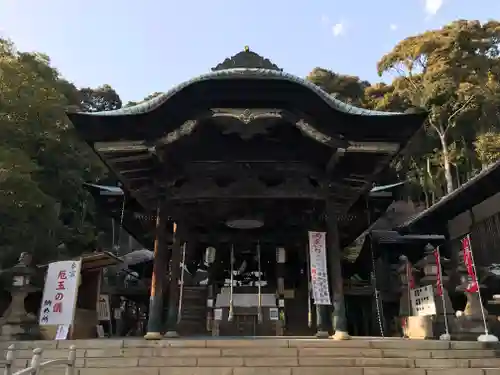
{"x":140,"y":47}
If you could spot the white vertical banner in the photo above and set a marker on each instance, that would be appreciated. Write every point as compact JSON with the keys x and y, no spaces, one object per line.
{"x":319,"y":271}
{"x":103,"y":308}
{"x":60,"y":293}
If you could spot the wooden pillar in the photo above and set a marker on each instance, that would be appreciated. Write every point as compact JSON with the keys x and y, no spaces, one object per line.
{"x":335,"y":270}
{"x":280,"y":290}
{"x":322,"y":321}
{"x":175,"y":271}
{"x":158,"y":279}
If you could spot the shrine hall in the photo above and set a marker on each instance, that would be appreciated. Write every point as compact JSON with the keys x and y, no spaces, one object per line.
{"x":228,"y":176}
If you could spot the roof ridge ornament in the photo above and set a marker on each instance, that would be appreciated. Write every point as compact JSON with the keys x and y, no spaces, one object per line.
{"x":246,"y":59}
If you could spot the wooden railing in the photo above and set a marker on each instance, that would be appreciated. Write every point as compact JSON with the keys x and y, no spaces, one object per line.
{"x":36,"y":365}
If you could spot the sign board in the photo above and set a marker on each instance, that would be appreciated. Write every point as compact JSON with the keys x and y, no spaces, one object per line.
{"x":274,"y":313}
{"x":217,"y":314}
{"x":62,"y":332}
{"x":60,"y":293}
{"x":319,"y":273}
{"x":422,"y":301}
{"x":103,"y":308}
{"x":117,"y":313}
{"x":100,"y":331}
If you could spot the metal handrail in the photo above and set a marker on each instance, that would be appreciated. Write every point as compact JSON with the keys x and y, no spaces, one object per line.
{"x":36,"y":362}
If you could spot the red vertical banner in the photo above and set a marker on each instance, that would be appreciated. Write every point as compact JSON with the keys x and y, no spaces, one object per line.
{"x":409,"y":275}
{"x":473,"y":285}
{"x":439,"y":280}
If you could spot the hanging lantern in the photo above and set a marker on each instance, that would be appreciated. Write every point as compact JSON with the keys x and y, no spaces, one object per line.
{"x":210,"y":255}
{"x":280,"y":255}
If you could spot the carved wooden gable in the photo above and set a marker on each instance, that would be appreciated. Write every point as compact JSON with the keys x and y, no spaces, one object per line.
{"x":246,"y":59}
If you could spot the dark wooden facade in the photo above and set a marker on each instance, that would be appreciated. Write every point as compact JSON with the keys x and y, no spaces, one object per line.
{"x":248,"y":141}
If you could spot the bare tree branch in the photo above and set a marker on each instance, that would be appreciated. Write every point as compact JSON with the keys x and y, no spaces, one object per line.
{"x":460,"y":109}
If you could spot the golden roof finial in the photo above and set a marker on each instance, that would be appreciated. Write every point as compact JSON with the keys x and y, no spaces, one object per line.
{"x":246,"y":49}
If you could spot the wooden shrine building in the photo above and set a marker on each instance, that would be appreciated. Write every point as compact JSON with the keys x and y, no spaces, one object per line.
{"x":236,"y":166}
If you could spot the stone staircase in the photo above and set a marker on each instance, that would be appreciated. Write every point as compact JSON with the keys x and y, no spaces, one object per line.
{"x":194,"y":311}
{"x":269,"y":356}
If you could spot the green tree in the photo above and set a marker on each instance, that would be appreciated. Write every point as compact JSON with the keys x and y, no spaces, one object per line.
{"x":349,"y":89}
{"x":446,"y":71}
{"x":149,"y":97}
{"x":488,"y":147}
{"x":102,"y":98}
{"x":382,"y":97}
{"x":43,"y":164}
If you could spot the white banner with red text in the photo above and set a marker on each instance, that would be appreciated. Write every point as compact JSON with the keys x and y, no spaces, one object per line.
{"x":319,"y":270}
{"x":60,"y":293}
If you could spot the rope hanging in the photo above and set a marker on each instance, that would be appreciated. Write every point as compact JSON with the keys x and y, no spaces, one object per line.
{"x":308,"y":273}
{"x":231,"y":309}
{"x":379,"y":306}
{"x":117,"y":246}
{"x":181,"y":291}
{"x":259,"y":309}
{"x":380,"y":312}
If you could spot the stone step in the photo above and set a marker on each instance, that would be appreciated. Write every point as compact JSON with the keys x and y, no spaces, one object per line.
{"x":165,"y":367}
{"x":271,"y":371}
{"x":194,"y":307}
{"x":475,"y":356}
{"x":140,"y":363}
{"x":264,"y":342}
{"x":278,"y":356}
{"x":250,"y":361}
{"x":188,"y":310}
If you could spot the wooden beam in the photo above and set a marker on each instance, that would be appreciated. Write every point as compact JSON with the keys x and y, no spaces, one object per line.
{"x":356,"y":180}
{"x":207,"y":195}
{"x":125,"y":159}
{"x":123,"y":146}
{"x":135,"y":170}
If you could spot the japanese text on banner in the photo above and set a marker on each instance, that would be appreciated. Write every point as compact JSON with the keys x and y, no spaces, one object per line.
{"x":319,"y":273}
{"x":103,"y":308}
{"x":439,"y":281}
{"x":473,"y":285}
{"x":59,"y":293}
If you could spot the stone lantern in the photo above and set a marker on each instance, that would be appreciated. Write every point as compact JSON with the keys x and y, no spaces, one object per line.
{"x":473,"y":307}
{"x":17,"y":324}
{"x":402,"y":270}
{"x":404,"y":301}
{"x":430,"y":270}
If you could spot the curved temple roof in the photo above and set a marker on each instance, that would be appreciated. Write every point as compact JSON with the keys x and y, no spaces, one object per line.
{"x":126,"y":139}
{"x":243,"y":73}
{"x":245,"y":80}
